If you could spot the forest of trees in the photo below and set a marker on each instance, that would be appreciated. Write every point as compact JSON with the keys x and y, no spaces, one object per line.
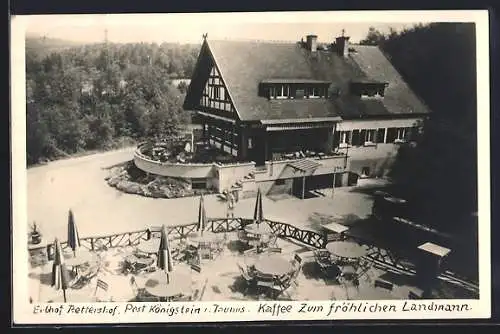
{"x":439,"y":175}
{"x":88,"y":97}
{"x":92,"y":97}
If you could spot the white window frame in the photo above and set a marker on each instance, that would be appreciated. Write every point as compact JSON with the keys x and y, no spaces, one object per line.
{"x":314,"y":90}
{"x":370,"y":137}
{"x":401,"y":134}
{"x":284,"y":92}
{"x":222,"y":94}
{"x":216,"y":93}
{"x":343,"y":139}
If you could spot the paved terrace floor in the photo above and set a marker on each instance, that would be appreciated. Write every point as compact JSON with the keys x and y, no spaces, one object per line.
{"x":78,"y":183}
{"x":220,"y":280}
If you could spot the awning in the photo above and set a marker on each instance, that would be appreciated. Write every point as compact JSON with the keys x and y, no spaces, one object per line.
{"x":294,"y":81}
{"x":286,"y":127}
{"x":225,"y":119}
{"x":305,"y":165}
{"x":300,"y":120}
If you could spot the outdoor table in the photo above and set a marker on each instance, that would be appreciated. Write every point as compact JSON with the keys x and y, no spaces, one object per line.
{"x":258,"y":229}
{"x":150,"y":246}
{"x":136,"y":260}
{"x":79,"y":259}
{"x":273,"y":264}
{"x":437,"y":250}
{"x":336,"y":228}
{"x":346,"y":249}
{"x":178,"y":284}
{"x":430,"y":261}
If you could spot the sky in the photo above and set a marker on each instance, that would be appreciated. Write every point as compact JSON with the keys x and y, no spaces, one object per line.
{"x":189,"y":28}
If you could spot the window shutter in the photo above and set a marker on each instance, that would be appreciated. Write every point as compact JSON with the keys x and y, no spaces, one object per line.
{"x":362,"y":138}
{"x":380,"y":135}
{"x":355,"y":138}
{"x":336,"y":139}
{"x":392,"y":134}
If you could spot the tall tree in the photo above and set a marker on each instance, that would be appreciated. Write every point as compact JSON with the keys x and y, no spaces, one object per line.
{"x":82,"y":97}
{"x":439,"y":174}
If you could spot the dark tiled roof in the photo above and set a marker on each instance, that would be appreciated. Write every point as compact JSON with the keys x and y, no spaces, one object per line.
{"x":399,"y":98}
{"x":292,"y":81}
{"x":244,"y":65}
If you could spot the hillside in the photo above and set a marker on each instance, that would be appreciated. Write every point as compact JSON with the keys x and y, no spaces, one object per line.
{"x":43,"y":46}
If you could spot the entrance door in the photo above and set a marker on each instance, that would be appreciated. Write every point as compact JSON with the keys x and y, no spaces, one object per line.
{"x":256,"y":150}
{"x":297,"y":187}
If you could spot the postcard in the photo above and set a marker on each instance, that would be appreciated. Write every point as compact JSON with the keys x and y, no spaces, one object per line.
{"x":214,"y":167}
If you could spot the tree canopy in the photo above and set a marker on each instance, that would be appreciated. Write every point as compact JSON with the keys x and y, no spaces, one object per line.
{"x":85,"y":97}
{"x":439,"y":174}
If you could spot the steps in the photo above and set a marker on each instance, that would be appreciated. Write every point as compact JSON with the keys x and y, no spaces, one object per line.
{"x":247,"y":186}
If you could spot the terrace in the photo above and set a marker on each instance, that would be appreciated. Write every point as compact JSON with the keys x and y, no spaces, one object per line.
{"x":221,"y":273}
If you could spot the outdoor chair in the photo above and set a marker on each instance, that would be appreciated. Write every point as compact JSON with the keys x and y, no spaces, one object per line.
{"x":249,"y":279}
{"x":85,"y":276}
{"x":327,"y":267}
{"x":349,"y":273}
{"x":265,"y":282}
{"x":215,"y":249}
{"x":101,"y":286}
{"x":149,"y":299}
{"x":296,"y":261}
{"x":198,"y":293}
{"x":250,"y":251}
{"x":138,"y":292}
{"x":204,"y":252}
{"x":363,"y":268}
{"x":242,"y":237}
{"x":282,"y":284}
{"x":195,"y":267}
{"x":383,"y":284}
{"x":184,"y":298}
{"x":273,"y":240}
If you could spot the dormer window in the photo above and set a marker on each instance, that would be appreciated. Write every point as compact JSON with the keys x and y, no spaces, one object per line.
{"x":315,"y":92}
{"x":368,"y":89}
{"x":293,"y":89}
{"x":279,"y":92}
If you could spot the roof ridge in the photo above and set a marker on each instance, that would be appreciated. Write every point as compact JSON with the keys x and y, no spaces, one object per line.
{"x":252,"y":40}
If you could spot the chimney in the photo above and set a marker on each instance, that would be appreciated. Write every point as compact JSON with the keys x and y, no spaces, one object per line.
{"x":342,"y":45}
{"x":312,"y":42}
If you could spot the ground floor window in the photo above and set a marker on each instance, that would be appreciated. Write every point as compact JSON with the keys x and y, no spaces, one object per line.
{"x":397,"y":134}
{"x":198,"y":183}
{"x":381,"y":135}
{"x":370,"y":136}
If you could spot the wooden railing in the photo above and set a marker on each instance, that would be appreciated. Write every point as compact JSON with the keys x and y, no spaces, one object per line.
{"x":283,"y":230}
{"x":307,"y":237}
{"x":216,"y":225}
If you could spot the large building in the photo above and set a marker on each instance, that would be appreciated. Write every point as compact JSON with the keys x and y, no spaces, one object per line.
{"x":303,"y":109}
{"x":300,"y":116}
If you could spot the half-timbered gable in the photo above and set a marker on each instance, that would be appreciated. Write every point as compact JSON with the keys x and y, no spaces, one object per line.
{"x":266,"y":101}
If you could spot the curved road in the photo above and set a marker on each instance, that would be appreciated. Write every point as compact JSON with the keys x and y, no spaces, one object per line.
{"x":78,"y":183}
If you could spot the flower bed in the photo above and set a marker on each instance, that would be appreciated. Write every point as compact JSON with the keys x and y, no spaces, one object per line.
{"x":131,"y":180}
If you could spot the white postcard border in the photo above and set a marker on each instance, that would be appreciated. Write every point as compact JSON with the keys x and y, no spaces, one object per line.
{"x":24,"y":313}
